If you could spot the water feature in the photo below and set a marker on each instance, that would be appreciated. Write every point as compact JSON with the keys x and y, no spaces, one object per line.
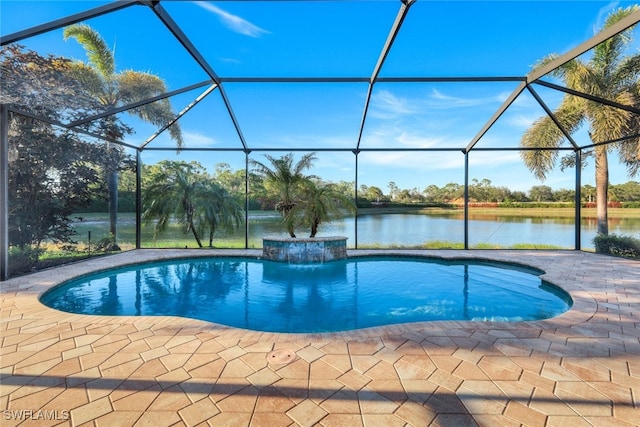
{"x":304,"y":250}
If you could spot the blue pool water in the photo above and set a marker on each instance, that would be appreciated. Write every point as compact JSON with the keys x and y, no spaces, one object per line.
{"x":344,"y":295}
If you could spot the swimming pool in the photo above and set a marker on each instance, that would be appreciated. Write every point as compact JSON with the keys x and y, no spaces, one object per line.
{"x":355,"y":293}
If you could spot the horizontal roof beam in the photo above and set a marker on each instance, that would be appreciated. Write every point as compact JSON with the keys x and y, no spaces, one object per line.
{"x":69,"y":20}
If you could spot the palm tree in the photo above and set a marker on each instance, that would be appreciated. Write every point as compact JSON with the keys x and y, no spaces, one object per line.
{"x":284,"y":180}
{"x":606,"y":75}
{"x":220,"y":210}
{"x":111,"y":89}
{"x":321,"y":203}
{"x":185,"y":192}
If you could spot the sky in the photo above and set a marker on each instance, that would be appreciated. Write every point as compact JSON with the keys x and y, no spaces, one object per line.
{"x":344,"y":39}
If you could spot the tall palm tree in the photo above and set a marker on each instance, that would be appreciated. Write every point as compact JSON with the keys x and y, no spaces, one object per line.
{"x":607,"y":75}
{"x":111,"y":89}
{"x":185,"y":192}
{"x":284,"y":179}
{"x":321,"y":203}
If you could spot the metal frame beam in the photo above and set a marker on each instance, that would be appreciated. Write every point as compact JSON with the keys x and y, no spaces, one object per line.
{"x":180,"y":114}
{"x":506,"y":104}
{"x":594,"y":98}
{"x":69,"y":20}
{"x":146,"y":101}
{"x":605,"y":34}
{"x":66,"y":126}
{"x":4,"y":192}
{"x":395,"y":28}
{"x":577,"y":201}
{"x":553,"y":117}
{"x":173,"y":27}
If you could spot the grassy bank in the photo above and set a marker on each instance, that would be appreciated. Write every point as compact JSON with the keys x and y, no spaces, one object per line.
{"x":514,"y":212}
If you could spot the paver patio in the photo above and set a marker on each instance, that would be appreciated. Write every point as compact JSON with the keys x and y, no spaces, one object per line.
{"x":579,"y":369}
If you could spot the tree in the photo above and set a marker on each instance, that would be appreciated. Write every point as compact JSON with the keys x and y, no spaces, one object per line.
{"x":283,"y":179}
{"x":320,"y":203}
{"x":607,"y":75}
{"x":220,"y":210}
{"x":541,"y":193}
{"x":52,"y":172}
{"x":185,"y":192}
{"x":393,"y":190}
{"x":374,"y":194}
{"x":112,"y":89}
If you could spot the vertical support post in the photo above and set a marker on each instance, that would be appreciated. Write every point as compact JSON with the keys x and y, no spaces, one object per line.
{"x":578,"y":198}
{"x":4,"y":193}
{"x":138,"y":200}
{"x":246,"y":199}
{"x":466,"y":199}
{"x":355,"y":218}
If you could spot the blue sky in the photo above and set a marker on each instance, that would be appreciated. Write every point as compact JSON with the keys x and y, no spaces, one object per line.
{"x":344,"y":39}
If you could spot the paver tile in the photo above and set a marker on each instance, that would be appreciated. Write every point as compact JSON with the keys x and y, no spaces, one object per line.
{"x":580,"y":368}
{"x":307,"y":413}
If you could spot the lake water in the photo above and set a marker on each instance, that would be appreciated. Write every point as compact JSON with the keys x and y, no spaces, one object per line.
{"x":417,"y":229}
{"x":388,"y":230}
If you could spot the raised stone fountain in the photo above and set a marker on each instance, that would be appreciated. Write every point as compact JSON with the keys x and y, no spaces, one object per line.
{"x":304,"y":250}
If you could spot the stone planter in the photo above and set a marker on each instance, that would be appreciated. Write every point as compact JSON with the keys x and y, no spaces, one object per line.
{"x":304,"y":250}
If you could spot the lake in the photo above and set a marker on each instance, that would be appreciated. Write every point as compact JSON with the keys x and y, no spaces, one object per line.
{"x":389,"y":230}
{"x":416,"y":229}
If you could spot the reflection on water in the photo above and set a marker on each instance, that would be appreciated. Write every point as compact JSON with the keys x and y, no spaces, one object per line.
{"x":335,"y":296}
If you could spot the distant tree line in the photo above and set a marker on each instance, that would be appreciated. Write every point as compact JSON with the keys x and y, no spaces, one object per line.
{"x":482,"y":191}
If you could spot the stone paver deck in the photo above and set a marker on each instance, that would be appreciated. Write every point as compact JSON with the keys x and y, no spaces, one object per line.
{"x":579,"y":369}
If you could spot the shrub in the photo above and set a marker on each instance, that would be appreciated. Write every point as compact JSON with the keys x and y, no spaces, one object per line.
{"x":612,"y":244}
{"x":23,"y":259}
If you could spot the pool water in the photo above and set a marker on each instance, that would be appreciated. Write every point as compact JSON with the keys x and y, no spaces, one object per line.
{"x":343,"y":295}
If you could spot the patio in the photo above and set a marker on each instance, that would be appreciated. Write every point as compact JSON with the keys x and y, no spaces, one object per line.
{"x":581,"y":368}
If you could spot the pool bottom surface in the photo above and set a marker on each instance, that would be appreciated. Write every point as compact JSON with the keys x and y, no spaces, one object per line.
{"x":356,"y":293}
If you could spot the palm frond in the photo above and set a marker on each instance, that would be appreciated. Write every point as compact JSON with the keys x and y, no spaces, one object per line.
{"x":606,"y":55}
{"x":629,"y":155}
{"x":134,"y":86}
{"x":545,"y":135}
{"x":628,"y":72}
{"x":94,"y":45}
{"x":88,"y":77}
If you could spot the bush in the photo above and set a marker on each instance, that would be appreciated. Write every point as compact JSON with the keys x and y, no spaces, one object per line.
{"x":23,"y":259}
{"x":612,"y":244}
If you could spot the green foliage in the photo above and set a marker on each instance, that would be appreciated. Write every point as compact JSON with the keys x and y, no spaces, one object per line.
{"x":613,"y":244}
{"x":320,"y":202}
{"x":283,"y":180}
{"x":110,"y":89}
{"x":106,"y":244}
{"x":181,"y":191}
{"x":606,"y":74}
{"x":23,"y":259}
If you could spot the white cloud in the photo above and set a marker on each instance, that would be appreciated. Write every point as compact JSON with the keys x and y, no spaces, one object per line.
{"x":195,"y":140}
{"x":234,"y":22}
{"x":521,"y":121}
{"x":441,"y":100}
{"x":386,"y":105}
{"x":603,"y":13}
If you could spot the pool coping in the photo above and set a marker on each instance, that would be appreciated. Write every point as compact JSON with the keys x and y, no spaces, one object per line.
{"x":583,"y":306}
